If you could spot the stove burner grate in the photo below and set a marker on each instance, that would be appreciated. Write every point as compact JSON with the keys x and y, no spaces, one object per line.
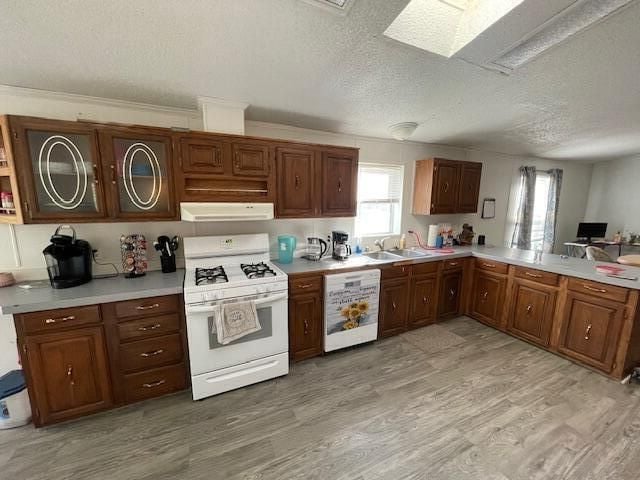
{"x":257,"y":270}
{"x":208,"y":276}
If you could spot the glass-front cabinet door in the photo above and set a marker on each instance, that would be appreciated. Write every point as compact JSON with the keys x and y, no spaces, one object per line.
{"x":137,"y":170}
{"x":59,"y":169}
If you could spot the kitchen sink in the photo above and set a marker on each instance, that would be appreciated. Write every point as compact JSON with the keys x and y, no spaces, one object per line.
{"x":409,"y":253}
{"x":382,"y":255}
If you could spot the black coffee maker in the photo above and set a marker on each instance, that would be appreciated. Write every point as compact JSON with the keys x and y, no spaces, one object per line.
{"x":68,"y":259}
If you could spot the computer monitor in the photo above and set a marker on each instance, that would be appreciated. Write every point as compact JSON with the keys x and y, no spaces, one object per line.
{"x":592,"y":230}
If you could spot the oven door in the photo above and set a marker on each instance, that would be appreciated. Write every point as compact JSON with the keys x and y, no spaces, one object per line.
{"x":207,"y":355}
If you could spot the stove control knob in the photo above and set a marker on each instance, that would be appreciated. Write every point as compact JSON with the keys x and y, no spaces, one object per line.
{"x":261,"y":290}
{"x":211,"y":296}
{"x":269,"y":289}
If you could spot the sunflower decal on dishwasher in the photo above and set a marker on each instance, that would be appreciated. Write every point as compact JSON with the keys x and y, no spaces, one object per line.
{"x":353,"y":314}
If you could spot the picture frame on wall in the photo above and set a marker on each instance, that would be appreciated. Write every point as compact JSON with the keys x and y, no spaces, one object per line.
{"x":489,"y":208}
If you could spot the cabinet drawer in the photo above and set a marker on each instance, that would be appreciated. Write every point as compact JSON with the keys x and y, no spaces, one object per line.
{"x":491,"y":266}
{"x":395,"y":271}
{"x":60,"y":318}
{"x":148,"y":327}
{"x":153,"y":383}
{"x":453,"y":264}
{"x":305,"y":285}
{"x":537,"y":276}
{"x":425,"y":268}
{"x":594,"y":289}
{"x":151,"y":353}
{"x":146,"y":306}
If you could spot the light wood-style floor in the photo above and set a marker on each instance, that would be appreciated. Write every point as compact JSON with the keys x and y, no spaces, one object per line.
{"x":451,"y":401}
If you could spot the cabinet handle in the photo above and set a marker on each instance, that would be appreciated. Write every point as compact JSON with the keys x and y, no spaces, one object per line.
{"x":339,"y":185}
{"x":534,"y":275}
{"x":484,"y":295}
{"x":599,"y":290}
{"x":96,"y":178}
{"x":297,"y":181}
{"x":393,"y":305}
{"x":446,"y":187}
{"x":587,"y":332}
{"x":148,"y":307}
{"x":149,"y":327}
{"x":489,"y":265}
{"x":70,"y":374}
{"x":237,"y":156}
{"x":113,"y":174}
{"x":452,"y":293}
{"x":306,"y":326}
{"x":425,"y":300}
{"x":304,"y":285}
{"x":153,"y":384}
{"x":453,"y":264}
{"x":529,"y":308}
{"x":152,"y":354}
{"x":60,"y":319}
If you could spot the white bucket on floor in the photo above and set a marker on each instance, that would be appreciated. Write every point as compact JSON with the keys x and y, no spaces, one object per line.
{"x":15,"y":409}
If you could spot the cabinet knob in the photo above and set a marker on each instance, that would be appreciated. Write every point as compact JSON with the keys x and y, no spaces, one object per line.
{"x":587,"y":332}
{"x":425,"y":300}
{"x":529,"y":309}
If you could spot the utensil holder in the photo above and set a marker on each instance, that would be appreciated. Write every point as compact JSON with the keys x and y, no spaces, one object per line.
{"x":168,"y":263}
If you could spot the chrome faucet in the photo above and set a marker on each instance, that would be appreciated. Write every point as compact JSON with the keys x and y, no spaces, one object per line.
{"x":380,"y":243}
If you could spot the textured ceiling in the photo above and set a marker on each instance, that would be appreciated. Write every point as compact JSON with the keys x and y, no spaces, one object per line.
{"x":297,"y":64}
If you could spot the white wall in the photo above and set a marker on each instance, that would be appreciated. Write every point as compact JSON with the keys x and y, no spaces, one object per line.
{"x":614,"y":195}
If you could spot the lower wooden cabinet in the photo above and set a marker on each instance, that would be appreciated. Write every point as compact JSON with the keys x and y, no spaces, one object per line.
{"x":532,"y":310}
{"x":450,"y":294}
{"x":424,"y":301}
{"x":590,"y":330}
{"x":394,"y":299}
{"x":306,"y":316}
{"x":67,"y":373}
{"x":488,"y":297}
{"x":305,"y":326}
{"x":83,"y":360}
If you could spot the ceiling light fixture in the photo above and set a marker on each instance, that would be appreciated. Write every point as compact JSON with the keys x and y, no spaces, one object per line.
{"x":402,"y":131}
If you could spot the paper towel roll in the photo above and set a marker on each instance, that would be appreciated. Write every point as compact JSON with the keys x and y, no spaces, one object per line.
{"x":432,"y":235}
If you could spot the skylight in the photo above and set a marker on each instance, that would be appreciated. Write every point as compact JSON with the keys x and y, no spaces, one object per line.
{"x":445,"y":26}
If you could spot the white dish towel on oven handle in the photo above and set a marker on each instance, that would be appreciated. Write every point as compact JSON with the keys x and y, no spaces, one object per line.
{"x":236,"y":320}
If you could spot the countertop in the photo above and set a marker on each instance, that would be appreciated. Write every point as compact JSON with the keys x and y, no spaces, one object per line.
{"x":105,"y":290}
{"x":571,"y":266}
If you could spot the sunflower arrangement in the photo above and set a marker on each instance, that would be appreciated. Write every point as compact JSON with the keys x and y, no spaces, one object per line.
{"x":354,"y":313}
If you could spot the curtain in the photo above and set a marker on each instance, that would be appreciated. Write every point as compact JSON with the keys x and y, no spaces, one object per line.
{"x":524,"y":220}
{"x":551,"y":219}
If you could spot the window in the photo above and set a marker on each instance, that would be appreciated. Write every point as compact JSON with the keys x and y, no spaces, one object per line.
{"x":379,"y":199}
{"x":540,"y":210}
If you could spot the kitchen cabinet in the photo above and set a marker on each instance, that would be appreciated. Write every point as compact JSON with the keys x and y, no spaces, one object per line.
{"x":446,"y":186}
{"x":138,"y":165}
{"x":450,"y":294}
{"x":8,"y":177}
{"x":224,"y":168}
{"x":86,"y":359}
{"x":590,"y":329}
{"x":393,"y":308}
{"x":339,"y":183}
{"x":68,"y":374}
{"x":424,"y":301}
{"x":59,"y":170}
{"x":306,"y":317}
{"x":298,"y":194}
{"x":532,"y":310}
{"x":488,"y":297}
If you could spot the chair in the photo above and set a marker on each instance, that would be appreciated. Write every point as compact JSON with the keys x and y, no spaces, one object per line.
{"x":598,"y":254}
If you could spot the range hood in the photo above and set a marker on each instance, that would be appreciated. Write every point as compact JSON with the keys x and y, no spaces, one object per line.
{"x":225,"y":212}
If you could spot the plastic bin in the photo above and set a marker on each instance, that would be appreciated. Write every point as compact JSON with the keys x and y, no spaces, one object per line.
{"x":15,"y":410}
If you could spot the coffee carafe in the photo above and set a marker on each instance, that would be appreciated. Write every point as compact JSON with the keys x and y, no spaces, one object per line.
{"x":316,"y":248}
{"x":341,"y":249}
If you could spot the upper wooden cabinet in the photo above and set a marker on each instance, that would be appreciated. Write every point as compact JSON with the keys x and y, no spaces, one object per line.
{"x":224,"y":168}
{"x":298,"y":194}
{"x":8,"y":176}
{"x":137,"y":166}
{"x":339,"y":183}
{"x":59,"y":169}
{"x":446,"y":186}
{"x":316,"y":181}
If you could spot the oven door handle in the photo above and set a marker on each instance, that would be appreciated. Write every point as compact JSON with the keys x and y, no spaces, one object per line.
{"x":213,"y":308}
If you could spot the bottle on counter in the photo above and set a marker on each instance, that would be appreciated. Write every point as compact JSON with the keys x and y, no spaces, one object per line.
{"x":403,"y":242}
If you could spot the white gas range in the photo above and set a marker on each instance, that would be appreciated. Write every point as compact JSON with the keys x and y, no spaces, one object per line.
{"x":227,"y":269}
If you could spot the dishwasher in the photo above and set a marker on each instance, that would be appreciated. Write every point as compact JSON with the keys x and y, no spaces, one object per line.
{"x":350,"y":308}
